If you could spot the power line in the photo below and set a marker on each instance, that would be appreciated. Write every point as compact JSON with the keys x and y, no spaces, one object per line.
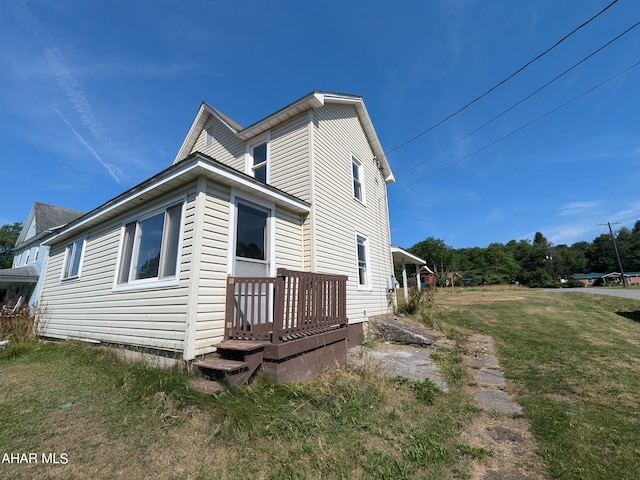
{"x":505,"y":80}
{"x":528,"y":124}
{"x":519,"y":102}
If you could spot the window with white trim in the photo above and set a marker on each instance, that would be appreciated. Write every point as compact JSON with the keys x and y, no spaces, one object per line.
{"x":150,"y":247}
{"x":362,"y":248}
{"x":73,"y":259}
{"x":251,"y":237}
{"x":358,"y":177}
{"x":260,"y":161}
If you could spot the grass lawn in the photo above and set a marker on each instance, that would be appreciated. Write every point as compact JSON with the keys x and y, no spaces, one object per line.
{"x":573,"y":362}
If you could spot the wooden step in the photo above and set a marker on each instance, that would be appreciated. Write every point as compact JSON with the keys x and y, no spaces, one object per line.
{"x":221,"y":364}
{"x":241,"y":345}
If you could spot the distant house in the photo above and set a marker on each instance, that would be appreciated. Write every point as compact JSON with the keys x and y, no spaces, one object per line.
{"x":21,"y":285}
{"x":587,"y":279}
{"x":275,"y":233}
{"x":633,"y":278}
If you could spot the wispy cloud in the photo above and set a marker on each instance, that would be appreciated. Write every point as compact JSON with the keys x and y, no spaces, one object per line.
{"x":75,"y":94}
{"x":577,"y":208}
{"x":91,"y":150}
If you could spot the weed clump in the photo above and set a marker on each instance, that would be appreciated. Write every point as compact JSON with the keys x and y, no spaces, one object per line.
{"x":420,"y":303}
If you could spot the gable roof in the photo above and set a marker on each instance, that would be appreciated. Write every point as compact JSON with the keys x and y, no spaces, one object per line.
{"x":315,"y":99}
{"x":190,"y":169}
{"x":46,"y":218}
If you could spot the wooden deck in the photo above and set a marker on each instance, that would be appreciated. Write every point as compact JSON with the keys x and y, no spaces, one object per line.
{"x":293,"y":326}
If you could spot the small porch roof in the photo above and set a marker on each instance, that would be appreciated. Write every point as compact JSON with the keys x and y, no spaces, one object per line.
{"x":11,"y":276}
{"x":401,"y":256}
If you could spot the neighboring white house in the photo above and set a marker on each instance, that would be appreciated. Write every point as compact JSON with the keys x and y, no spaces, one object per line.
{"x":22,"y":283}
{"x":302,"y":189}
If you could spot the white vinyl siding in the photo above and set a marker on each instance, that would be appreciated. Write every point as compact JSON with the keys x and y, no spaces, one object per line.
{"x":220,"y":143}
{"x":213,"y":270}
{"x":288,"y":248}
{"x":338,"y":136}
{"x":289,"y":151}
{"x":89,"y":308}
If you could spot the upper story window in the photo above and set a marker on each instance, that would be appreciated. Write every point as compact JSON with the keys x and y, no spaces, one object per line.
{"x":358,"y":179}
{"x":259,"y":154}
{"x":150,"y":247}
{"x":73,"y":259}
{"x":26,"y":255}
{"x":258,"y":158}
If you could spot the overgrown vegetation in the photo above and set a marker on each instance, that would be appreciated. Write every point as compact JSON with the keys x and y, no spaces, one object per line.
{"x":23,"y":326}
{"x":421,"y":304}
{"x":117,"y":419}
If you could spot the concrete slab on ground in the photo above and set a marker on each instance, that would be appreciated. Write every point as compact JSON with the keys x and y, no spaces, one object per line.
{"x":405,"y":361}
{"x":484,"y":361}
{"x":497,"y":400}
{"x":491,"y":377}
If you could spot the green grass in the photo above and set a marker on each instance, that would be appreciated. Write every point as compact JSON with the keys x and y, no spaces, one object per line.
{"x":116,"y":420}
{"x":574,"y":361}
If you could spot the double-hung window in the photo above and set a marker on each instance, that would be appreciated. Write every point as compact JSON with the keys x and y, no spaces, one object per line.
{"x":358,"y":178}
{"x":362,"y":249}
{"x":150,"y":247}
{"x":73,"y":259}
{"x":260,"y":157}
{"x":257,"y":157}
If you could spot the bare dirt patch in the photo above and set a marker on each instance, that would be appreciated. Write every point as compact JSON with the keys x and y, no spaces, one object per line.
{"x":473,"y":298}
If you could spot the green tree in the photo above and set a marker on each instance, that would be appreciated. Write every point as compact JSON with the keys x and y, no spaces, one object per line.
{"x":8,"y":235}
{"x":435,"y":252}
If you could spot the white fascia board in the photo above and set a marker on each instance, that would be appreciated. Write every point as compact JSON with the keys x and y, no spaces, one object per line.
{"x":401,"y":255}
{"x":197,"y":166}
{"x":245,"y":183}
{"x":368,"y":127}
{"x":204,"y":112}
{"x":313,"y":100}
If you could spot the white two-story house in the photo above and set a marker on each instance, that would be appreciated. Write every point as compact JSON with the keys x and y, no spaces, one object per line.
{"x":22,"y":283}
{"x":161,"y":266}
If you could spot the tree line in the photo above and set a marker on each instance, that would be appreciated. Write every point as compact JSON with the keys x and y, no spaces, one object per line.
{"x":536,"y":263}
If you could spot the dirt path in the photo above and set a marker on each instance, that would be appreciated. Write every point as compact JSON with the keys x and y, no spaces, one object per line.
{"x":500,"y":429}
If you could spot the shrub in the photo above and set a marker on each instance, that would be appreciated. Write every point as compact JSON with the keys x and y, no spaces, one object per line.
{"x":24,"y":326}
{"x":420,"y":302}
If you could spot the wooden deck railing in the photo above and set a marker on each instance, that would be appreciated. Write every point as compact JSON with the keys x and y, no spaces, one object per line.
{"x":292,"y":305}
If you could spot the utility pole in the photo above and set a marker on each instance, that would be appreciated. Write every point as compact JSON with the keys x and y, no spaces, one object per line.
{"x":615,"y":247}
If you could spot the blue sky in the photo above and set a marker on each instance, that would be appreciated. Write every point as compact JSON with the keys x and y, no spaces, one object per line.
{"x":96,"y":97}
